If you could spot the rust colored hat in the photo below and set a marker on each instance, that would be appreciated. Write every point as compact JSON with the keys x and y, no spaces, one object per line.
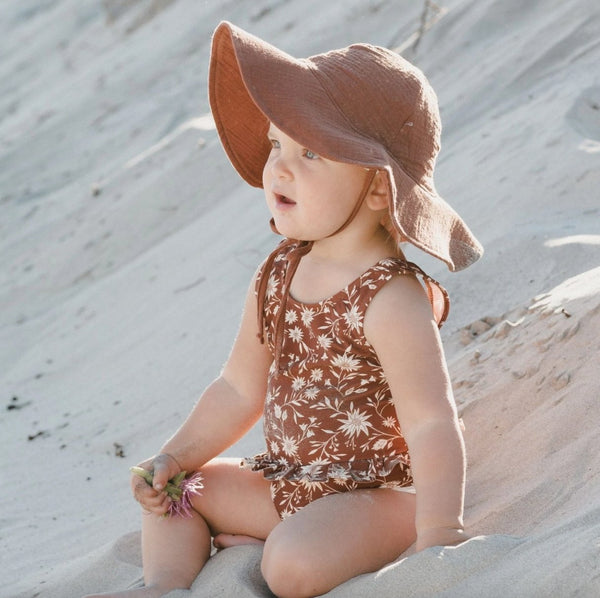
{"x":362,"y":105}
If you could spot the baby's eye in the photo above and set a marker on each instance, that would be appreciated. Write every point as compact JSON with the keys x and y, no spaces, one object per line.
{"x":274,"y":143}
{"x":310,"y":155}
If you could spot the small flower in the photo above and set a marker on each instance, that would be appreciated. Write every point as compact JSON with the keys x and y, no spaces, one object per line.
{"x":290,"y":316}
{"x":355,"y":423}
{"x":307,"y":316}
{"x":316,"y":375}
{"x":274,"y":447}
{"x":345,"y":362}
{"x":324,"y":341}
{"x":296,"y":334}
{"x":298,"y":383}
{"x":353,"y":318}
{"x":310,"y":486}
{"x":316,"y":470}
{"x":389,"y":422}
{"x":190,"y":487}
{"x":290,"y":446}
{"x":311,"y":393}
{"x":339,"y":474}
{"x":272,"y":285}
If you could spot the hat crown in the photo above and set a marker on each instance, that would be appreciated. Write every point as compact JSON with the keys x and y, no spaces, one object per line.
{"x":387,"y":99}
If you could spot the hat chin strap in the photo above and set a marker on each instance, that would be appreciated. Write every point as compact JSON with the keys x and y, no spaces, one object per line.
{"x":361,"y":199}
{"x":294,"y":257}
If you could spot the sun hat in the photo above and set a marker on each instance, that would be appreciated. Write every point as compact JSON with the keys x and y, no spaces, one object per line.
{"x":362,"y":105}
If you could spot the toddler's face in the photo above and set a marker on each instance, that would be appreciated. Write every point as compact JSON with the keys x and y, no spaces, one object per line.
{"x":308,"y":196}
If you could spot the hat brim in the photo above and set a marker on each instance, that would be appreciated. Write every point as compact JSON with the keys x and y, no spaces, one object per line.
{"x":244,"y":100}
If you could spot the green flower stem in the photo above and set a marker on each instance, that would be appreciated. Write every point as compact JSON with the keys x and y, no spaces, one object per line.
{"x":172,"y":488}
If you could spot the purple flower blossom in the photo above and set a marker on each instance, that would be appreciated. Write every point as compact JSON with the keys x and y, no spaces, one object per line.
{"x":190,"y":487}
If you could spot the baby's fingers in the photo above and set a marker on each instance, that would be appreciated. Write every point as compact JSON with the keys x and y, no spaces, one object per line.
{"x":148,"y":497}
{"x":159,"y":505}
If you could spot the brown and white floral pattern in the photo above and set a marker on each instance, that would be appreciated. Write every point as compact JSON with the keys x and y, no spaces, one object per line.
{"x":329,"y":421}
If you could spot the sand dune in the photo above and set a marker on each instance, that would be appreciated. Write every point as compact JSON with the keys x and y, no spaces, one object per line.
{"x":127,"y":241}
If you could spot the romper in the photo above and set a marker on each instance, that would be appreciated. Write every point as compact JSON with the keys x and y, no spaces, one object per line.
{"x":329,"y":422}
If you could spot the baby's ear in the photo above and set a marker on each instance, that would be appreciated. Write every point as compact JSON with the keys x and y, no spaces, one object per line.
{"x":378,"y":194}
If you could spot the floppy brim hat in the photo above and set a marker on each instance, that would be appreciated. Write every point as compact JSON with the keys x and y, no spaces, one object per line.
{"x":362,"y":105}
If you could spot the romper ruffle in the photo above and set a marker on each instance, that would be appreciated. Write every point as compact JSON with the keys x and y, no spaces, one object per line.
{"x":358,"y":470}
{"x":329,"y":421}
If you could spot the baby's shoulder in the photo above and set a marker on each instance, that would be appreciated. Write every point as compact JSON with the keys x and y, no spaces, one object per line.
{"x":401,"y":304}
{"x":402,"y":291}
{"x":408,"y":285}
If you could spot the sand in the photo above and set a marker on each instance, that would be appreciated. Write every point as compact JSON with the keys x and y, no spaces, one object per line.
{"x":127,"y":242}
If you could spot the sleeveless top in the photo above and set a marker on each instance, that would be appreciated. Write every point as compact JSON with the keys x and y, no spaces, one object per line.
{"x":329,"y":421}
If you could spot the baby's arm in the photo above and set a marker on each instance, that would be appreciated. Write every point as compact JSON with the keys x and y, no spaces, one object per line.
{"x":400,"y":326}
{"x":227,"y":409}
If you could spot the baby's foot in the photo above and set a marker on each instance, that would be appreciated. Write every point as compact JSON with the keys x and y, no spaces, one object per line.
{"x":227,"y":540}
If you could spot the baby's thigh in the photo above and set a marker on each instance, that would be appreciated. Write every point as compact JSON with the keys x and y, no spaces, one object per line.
{"x":338,"y":537}
{"x":235,"y":500}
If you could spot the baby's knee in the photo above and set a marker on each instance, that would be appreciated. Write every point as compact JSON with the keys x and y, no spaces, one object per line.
{"x":289,"y":572}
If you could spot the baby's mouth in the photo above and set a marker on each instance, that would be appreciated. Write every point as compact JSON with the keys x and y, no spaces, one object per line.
{"x":282,"y":199}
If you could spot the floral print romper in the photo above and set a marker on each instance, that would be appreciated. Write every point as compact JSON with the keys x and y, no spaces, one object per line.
{"x":329,"y":421}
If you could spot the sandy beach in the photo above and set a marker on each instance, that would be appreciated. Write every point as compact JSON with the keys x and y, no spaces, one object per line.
{"x":127,"y":242}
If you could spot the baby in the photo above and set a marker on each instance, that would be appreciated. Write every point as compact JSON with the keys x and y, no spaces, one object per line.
{"x":338,"y":348}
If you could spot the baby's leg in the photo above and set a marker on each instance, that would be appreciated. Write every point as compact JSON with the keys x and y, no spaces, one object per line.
{"x":174,"y":549}
{"x":335,"y":538}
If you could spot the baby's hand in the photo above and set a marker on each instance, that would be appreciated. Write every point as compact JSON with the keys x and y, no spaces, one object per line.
{"x":154,"y":498}
{"x":440,"y":536}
